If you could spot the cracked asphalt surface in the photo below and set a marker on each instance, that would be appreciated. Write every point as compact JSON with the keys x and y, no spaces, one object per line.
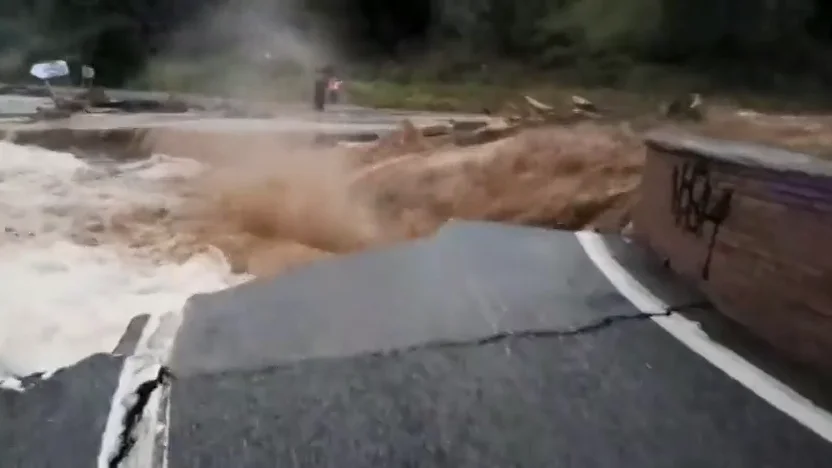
{"x":347,"y":363}
{"x":605,"y":399}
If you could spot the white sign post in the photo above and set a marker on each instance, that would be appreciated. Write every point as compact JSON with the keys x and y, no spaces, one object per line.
{"x":48,"y":70}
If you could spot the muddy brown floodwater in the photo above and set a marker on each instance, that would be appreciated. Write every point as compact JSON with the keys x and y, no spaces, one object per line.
{"x":270,"y":209}
{"x":270,"y":212}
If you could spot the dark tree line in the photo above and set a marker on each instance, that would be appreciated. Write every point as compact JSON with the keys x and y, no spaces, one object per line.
{"x":119,"y":36}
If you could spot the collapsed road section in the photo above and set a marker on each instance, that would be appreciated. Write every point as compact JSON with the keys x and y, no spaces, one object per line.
{"x":386,"y":358}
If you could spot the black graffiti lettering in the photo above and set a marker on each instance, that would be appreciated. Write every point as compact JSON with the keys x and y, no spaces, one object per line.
{"x":694,"y":203}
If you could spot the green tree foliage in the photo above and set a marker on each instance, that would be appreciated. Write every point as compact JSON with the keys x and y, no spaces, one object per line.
{"x":120,"y":36}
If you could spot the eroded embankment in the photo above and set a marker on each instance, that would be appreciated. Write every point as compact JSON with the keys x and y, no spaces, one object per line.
{"x":270,"y":203}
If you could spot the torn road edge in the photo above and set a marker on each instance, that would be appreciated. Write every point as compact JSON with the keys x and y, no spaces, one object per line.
{"x":151,"y":354}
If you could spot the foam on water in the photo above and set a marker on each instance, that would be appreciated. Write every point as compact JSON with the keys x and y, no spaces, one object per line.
{"x":62,"y":299}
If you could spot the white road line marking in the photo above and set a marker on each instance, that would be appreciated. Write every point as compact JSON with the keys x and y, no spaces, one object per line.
{"x":165,"y":442}
{"x":152,"y":350}
{"x":691,"y":335}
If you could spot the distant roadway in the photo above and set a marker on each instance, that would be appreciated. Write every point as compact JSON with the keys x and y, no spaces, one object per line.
{"x":24,"y":101}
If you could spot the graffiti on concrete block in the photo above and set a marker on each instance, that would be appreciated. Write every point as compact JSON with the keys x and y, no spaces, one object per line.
{"x":694,"y":203}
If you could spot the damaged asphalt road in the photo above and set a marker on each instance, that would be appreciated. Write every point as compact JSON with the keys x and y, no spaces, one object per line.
{"x":484,"y":346}
{"x":127,"y":437}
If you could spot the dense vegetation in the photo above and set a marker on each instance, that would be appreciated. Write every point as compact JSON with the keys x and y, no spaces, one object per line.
{"x":753,"y":42}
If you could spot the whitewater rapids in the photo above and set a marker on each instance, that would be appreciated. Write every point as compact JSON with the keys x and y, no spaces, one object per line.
{"x":64,"y":296}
